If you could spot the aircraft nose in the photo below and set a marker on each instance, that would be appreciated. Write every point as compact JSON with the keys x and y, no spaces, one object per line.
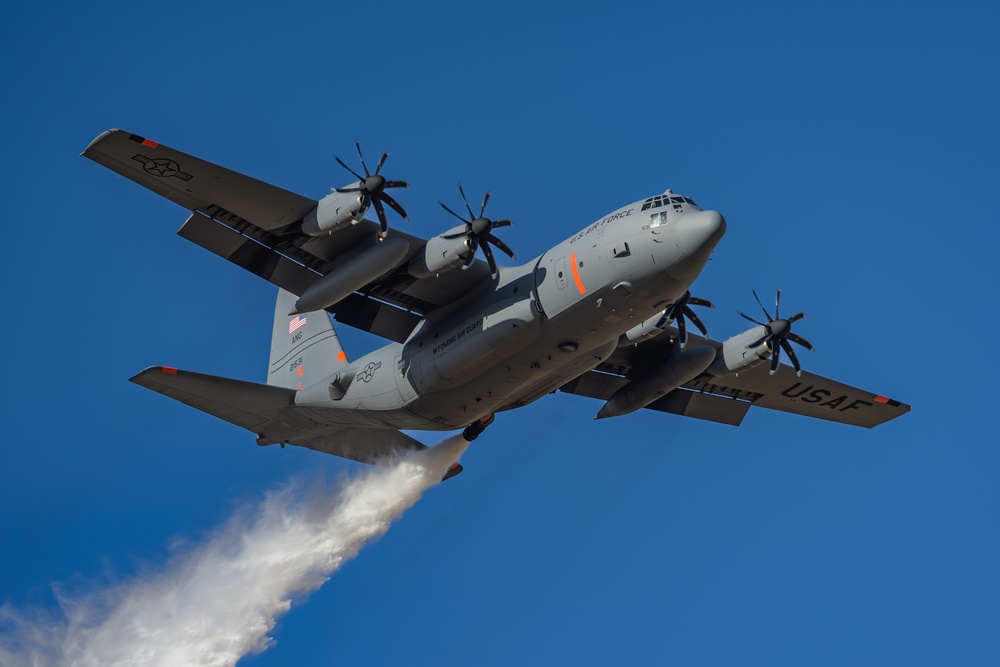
{"x":700,"y":231}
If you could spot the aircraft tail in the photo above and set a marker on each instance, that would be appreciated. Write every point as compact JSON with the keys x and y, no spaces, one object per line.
{"x":304,"y":348}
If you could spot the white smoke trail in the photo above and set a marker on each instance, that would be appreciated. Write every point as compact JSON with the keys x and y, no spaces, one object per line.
{"x":217,"y":602}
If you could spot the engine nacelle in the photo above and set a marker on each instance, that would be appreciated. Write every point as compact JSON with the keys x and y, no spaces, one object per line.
{"x":440,"y":254}
{"x":334,"y":211}
{"x":736,"y":357}
{"x":649,"y":328}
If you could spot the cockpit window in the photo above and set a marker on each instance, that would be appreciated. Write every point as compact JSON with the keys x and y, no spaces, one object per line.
{"x":657,"y":219}
{"x":662,"y":200}
{"x":652,"y":202}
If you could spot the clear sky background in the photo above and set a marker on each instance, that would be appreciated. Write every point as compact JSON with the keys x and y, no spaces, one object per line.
{"x":852,"y":148}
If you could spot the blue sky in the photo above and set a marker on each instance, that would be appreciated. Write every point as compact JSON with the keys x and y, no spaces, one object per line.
{"x":852,"y":148}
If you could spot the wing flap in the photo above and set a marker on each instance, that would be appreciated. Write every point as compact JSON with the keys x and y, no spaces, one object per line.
{"x":247,"y":253}
{"x":681,"y":401}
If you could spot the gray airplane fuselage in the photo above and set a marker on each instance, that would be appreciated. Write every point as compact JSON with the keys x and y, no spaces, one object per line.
{"x":534,"y":328}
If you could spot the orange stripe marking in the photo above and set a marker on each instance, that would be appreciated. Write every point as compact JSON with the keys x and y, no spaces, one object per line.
{"x":576,"y":274}
{"x":342,"y":356}
{"x":881,"y":399}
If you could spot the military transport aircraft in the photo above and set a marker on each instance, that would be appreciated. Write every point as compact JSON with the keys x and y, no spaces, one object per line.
{"x":604,"y":314}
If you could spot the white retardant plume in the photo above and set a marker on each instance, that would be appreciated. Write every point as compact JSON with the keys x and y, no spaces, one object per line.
{"x":217,"y":601}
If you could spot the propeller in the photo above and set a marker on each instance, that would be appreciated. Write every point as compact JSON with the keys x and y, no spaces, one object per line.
{"x":479,"y":231}
{"x":779,"y":331}
{"x":681,"y":309}
{"x":373,"y":187}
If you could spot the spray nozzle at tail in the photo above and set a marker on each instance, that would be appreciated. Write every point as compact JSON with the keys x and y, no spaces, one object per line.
{"x":220,"y":600}
{"x":476,"y":428}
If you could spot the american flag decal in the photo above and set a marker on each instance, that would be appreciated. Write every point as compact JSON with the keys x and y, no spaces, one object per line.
{"x":297,"y":323}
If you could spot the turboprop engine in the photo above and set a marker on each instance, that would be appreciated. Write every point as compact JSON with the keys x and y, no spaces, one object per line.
{"x":749,"y":348}
{"x":441,"y":253}
{"x":677,"y":311}
{"x":658,"y":381}
{"x":336,"y":210}
{"x":348,"y":205}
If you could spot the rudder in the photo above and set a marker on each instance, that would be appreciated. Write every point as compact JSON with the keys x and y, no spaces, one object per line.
{"x":304,"y":348}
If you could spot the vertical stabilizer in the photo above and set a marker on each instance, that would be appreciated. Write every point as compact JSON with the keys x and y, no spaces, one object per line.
{"x":304,"y":348}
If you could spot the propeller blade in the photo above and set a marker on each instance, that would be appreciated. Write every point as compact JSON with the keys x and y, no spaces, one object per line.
{"x":695,"y":321}
{"x":775,"y":356}
{"x":482,"y":209}
{"x":353,"y":173}
{"x":683,"y":331}
{"x":473,"y":246}
{"x":501,"y":245}
{"x":796,"y":317}
{"x":769,"y":318}
{"x":381,"y":161}
{"x":452,"y":212}
{"x":489,"y":258}
{"x":791,"y":355}
{"x":801,"y":341}
{"x":349,"y":189}
{"x":763,"y":339}
{"x":747,"y":317}
{"x":456,"y":236}
{"x":396,"y":184}
{"x":777,"y":299}
{"x":357,"y":144}
{"x":377,"y":203}
{"x":394,"y":205}
{"x":466,"y":202}
{"x":502,"y":223}
{"x":697,"y":301}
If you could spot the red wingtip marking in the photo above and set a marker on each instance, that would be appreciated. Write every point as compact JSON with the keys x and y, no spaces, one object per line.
{"x":149,"y":143}
{"x":168,"y":370}
{"x":881,"y":399}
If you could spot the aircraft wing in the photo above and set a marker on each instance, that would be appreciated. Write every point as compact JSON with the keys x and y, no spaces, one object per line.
{"x":727,"y":399}
{"x":194,"y":183}
{"x":270,"y":412}
{"x":247,"y":222}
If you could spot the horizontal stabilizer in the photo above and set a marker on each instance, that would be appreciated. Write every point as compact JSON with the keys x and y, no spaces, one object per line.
{"x":255,"y":407}
{"x":271,"y":413}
